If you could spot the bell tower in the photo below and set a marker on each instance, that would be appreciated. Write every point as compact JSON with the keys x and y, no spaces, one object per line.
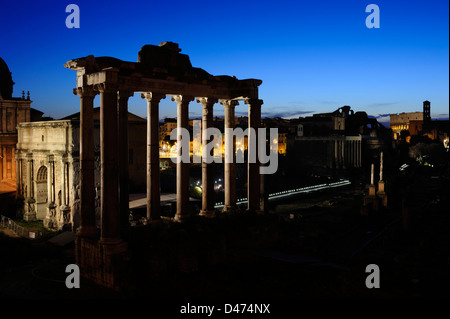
{"x":426,"y":111}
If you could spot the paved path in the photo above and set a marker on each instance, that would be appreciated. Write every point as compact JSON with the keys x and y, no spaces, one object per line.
{"x":140,"y":200}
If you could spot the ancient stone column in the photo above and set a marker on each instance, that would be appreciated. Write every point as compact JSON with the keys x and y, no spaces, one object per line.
{"x":336,"y":160}
{"x":63,"y":184}
{"x":372,"y":174}
{"x":372,"y":189}
{"x":49,"y":180}
{"x":253,"y":178}
{"x":348,"y":154}
{"x":330,"y":153}
{"x":359,"y":153}
{"x":49,"y":218}
{"x":230,"y":159}
{"x":381,"y":193}
{"x":124,"y":197}
{"x":53,"y":181}
{"x":153,"y":176}
{"x":354,"y":154}
{"x":208,"y":196}
{"x":29,"y":163}
{"x":87,"y":186}
{"x":109,"y":188}
{"x":182,"y":167}
{"x":381,"y":166}
{"x":30,"y":213}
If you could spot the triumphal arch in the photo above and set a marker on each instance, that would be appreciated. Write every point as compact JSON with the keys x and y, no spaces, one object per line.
{"x":160,"y":71}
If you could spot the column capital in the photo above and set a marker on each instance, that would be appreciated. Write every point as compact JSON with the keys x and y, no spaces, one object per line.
{"x":182,"y":98}
{"x":84,"y":91}
{"x":229,"y":103}
{"x":151,"y":96}
{"x":253,"y":102}
{"x":106,"y":87}
{"x":207,"y":102}
{"x":51,"y":158}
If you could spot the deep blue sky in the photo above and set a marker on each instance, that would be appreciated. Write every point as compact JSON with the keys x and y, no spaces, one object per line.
{"x":313,"y":56}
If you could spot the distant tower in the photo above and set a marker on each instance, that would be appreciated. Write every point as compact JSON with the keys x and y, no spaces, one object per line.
{"x":426,"y":111}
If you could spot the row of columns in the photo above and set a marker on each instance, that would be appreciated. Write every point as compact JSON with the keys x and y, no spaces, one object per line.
{"x":114,"y":158}
{"x":114,"y":176}
{"x":114,"y":194}
{"x":342,"y":153}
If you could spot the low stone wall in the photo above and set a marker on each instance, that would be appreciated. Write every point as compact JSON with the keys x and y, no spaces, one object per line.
{"x":154,"y":254}
{"x":104,"y":264}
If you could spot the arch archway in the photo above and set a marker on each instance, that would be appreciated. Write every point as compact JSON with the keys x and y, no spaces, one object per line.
{"x":41,"y":192}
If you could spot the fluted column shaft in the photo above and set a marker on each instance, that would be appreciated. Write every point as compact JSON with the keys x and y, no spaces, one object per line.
{"x":230,"y":159}
{"x":208,"y":196}
{"x":153,"y":176}
{"x":50,"y":180}
{"x":63,"y":184}
{"x":182,"y":212}
{"x":28,"y":177}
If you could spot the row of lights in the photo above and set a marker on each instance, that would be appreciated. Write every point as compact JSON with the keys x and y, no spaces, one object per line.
{"x":298,"y":190}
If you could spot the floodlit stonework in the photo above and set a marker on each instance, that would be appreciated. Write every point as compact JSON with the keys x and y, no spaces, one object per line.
{"x":13,"y":110}
{"x":160,"y":72}
{"x":48,"y":169}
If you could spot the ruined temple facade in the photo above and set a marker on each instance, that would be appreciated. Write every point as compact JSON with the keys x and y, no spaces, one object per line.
{"x":13,"y":110}
{"x":160,"y":71}
{"x":322,"y":140}
{"x":48,"y":168}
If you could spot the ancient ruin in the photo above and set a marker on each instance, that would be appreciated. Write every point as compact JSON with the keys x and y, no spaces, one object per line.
{"x":48,"y":168}
{"x":159,"y":72}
